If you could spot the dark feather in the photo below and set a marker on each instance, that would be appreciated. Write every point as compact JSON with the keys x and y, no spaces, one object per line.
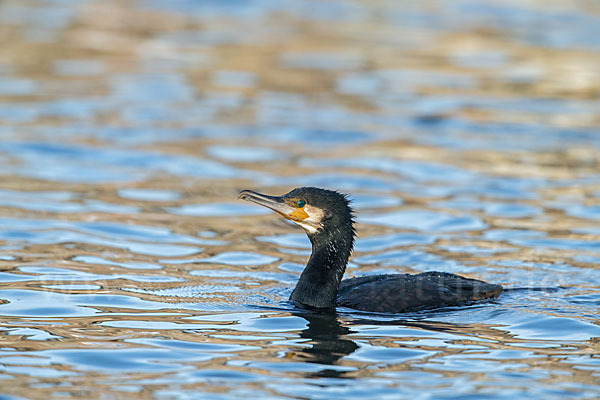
{"x":404,"y":292}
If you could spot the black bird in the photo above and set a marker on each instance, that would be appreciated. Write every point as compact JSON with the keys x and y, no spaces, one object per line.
{"x":328,"y":220}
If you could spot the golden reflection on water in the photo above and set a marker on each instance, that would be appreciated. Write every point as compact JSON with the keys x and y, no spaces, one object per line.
{"x":466,"y":133}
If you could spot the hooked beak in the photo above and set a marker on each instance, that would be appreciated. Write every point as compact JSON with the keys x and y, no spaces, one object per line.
{"x":275,"y":203}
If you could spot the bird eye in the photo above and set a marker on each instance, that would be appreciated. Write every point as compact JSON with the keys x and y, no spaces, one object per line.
{"x":301,"y":203}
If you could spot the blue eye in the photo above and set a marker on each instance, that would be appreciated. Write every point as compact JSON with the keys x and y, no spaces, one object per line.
{"x":301,"y":203}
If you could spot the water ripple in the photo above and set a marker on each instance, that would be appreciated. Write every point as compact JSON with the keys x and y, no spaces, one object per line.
{"x":240,"y":258}
{"x":128,"y":267}
{"x":425,"y":220}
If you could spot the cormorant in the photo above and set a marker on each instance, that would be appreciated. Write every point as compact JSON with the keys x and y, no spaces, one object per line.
{"x":328,"y":220}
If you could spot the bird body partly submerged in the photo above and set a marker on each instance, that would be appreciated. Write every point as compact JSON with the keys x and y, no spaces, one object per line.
{"x":406,"y":292}
{"x":328,"y":220}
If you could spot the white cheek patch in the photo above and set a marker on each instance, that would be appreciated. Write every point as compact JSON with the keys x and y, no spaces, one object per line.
{"x":313,"y":222}
{"x":308,"y":228}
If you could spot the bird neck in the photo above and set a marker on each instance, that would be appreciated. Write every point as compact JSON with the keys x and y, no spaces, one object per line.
{"x":318,"y":285}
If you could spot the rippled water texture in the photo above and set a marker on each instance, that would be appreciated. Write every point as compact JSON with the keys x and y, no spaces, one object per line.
{"x":466,"y":132}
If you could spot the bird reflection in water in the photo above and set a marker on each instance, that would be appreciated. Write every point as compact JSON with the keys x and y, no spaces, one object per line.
{"x":328,"y":342}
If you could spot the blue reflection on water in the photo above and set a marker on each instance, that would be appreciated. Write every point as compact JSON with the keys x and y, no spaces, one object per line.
{"x":72,"y":163}
{"x":110,"y":279}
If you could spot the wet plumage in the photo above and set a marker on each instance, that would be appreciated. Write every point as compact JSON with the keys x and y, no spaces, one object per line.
{"x":328,"y":220}
{"x":406,"y":292}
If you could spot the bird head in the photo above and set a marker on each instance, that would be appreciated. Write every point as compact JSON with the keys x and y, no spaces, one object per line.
{"x":316,"y":210}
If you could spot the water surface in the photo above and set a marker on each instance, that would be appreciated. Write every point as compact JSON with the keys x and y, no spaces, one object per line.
{"x":465,"y":132}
